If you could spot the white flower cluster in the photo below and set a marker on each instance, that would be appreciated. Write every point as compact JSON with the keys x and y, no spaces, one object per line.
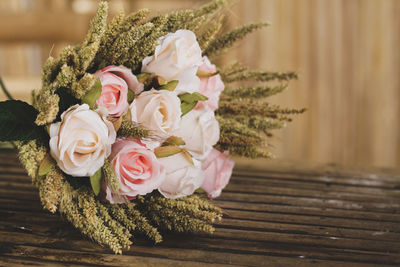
{"x":85,"y":138}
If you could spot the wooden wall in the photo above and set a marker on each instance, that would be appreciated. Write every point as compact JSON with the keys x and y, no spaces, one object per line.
{"x":347,"y":53}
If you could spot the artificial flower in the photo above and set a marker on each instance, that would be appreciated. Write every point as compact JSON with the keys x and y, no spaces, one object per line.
{"x":211,"y":86}
{"x":115,"y":82}
{"x":176,"y":57}
{"x":183,"y":176}
{"x":217,"y":169}
{"x":82,"y":140}
{"x":137,"y":169}
{"x":200,"y":131}
{"x":157,"y":110}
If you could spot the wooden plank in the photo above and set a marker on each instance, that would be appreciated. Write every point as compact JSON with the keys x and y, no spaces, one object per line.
{"x":187,"y":247}
{"x":279,"y":216}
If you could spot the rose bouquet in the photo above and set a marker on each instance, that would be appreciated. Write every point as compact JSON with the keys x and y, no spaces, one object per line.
{"x":132,"y":130}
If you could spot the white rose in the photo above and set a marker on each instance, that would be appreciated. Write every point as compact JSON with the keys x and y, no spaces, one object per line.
{"x":200,"y":131}
{"x":82,"y":140}
{"x":182,"y":177}
{"x":158,"y":111}
{"x":177,"y":57}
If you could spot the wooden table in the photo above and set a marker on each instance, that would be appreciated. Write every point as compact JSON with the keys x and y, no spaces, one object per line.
{"x":274,"y":215}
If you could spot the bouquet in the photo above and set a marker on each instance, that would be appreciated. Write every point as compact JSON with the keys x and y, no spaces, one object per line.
{"x":131,"y":131}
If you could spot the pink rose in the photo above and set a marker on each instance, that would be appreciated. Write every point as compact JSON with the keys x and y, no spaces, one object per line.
{"x":115,"y":82}
{"x":210,"y":87}
{"x":217,"y":168}
{"x":137,"y":169}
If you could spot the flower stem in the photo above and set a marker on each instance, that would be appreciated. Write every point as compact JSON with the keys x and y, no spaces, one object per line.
{"x":3,"y":87}
{"x":7,"y":93}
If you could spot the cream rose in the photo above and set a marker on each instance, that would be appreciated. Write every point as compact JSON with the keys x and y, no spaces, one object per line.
{"x":182,"y":177}
{"x":177,"y":57}
{"x":82,"y":140}
{"x":200,"y":131}
{"x":158,"y":111}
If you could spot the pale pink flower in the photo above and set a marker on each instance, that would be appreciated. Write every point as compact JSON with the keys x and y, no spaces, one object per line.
{"x":217,"y":169}
{"x":115,"y":82}
{"x":211,"y":87}
{"x":136,"y":168}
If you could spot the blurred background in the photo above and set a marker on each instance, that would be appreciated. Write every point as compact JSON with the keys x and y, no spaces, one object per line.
{"x":346,"y":52}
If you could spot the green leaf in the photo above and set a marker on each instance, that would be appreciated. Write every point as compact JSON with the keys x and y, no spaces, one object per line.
{"x":200,"y":191}
{"x":46,"y":165}
{"x":170,"y":86}
{"x":161,"y":81}
{"x":188,"y":156}
{"x":186,"y":107}
{"x":166,"y":151}
{"x":187,"y":97}
{"x":203,"y":74}
{"x":142,"y":77}
{"x":17,"y":122}
{"x":131,"y":96}
{"x":95,"y":181}
{"x":189,"y":101}
{"x":94,"y":93}
{"x":173,"y":141}
{"x":199,"y":97}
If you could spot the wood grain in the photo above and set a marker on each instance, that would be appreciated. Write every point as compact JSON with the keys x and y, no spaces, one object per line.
{"x":346,"y":53}
{"x":275,"y":214}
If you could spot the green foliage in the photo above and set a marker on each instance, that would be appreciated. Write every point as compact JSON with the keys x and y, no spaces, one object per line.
{"x":203,"y":74}
{"x":189,"y":101}
{"x":170,"y":86}
{"x":166,"y":151}
{"x":210,"y":8}
{"x":226,"y":40}
{"x":128,"y":129}
{"x":88,"y":50}
{"x":94,"y":93}
{"x":240,"y":135}
{"x":259,"y":76}
{"x":30,"y":154}
{"x":17,"y":122}
{"x":66,"y":101}
{"x":173,"y":141}
{"x":47,"y":103}
{"x":259,"y":122}
{"x":46,"y":165}
{"x":95,"y":181}
{"x":50,"y":189}
{"x":229,"y":106}
{"x":255,"y":91}
{"x":110,"y":177}
{"x":131,"y":96}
